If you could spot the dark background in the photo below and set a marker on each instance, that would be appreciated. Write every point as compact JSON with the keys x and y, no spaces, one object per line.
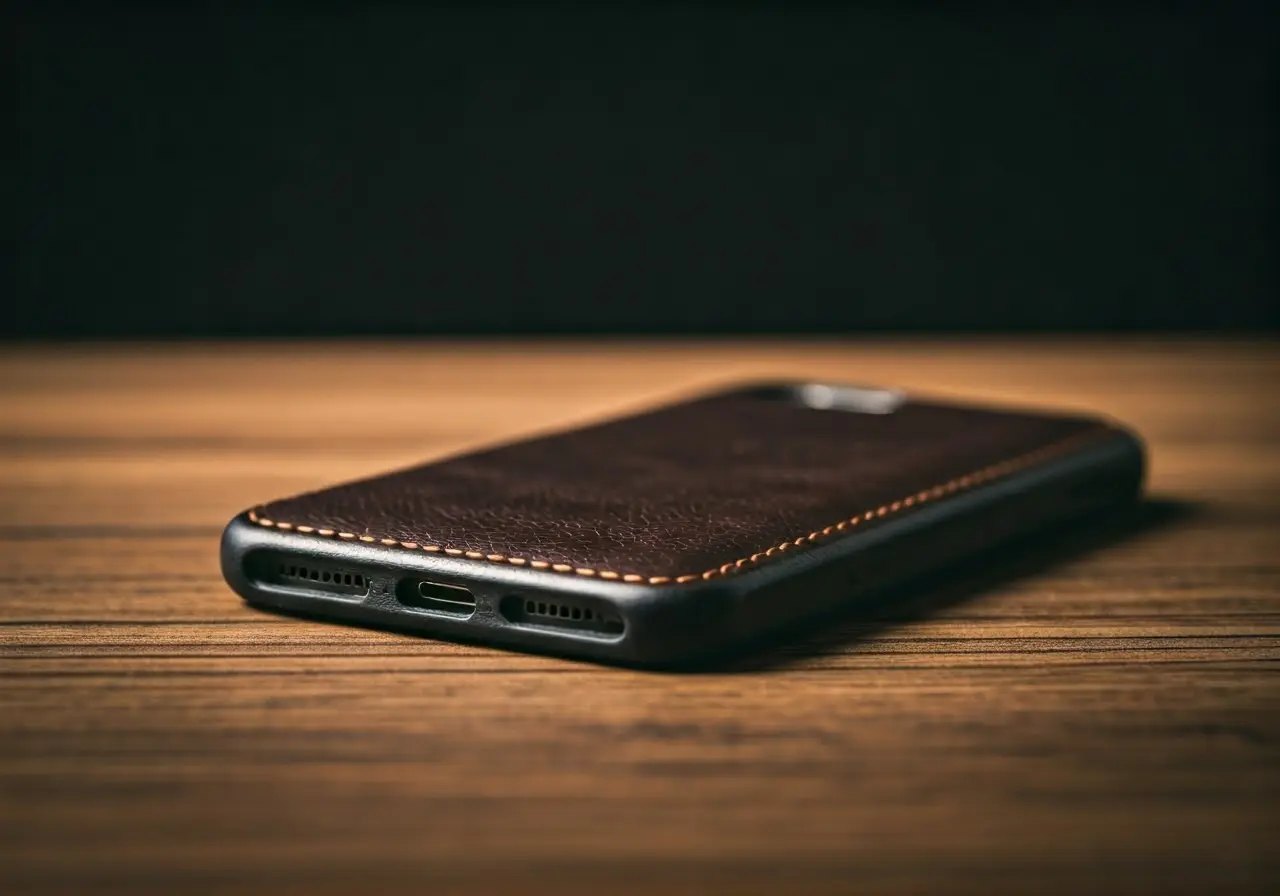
{"x":349,"y":169}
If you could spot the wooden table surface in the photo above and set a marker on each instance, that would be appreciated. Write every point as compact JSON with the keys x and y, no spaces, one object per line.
{"x":1095,"y":717}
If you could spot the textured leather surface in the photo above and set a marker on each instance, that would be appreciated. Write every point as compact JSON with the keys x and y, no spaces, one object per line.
{"x":677,"y":491}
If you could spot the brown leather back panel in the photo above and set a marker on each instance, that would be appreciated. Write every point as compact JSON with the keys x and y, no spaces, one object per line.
{"x":690,"y":490}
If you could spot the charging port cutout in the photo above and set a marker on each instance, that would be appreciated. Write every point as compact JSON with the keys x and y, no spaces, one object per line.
{"x":453,"y":600}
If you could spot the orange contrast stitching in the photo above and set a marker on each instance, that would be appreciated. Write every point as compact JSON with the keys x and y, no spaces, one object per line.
{"x":946,"y":489}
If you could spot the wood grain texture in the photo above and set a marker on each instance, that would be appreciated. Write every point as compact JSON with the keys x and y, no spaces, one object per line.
{"x":1102,"y":714}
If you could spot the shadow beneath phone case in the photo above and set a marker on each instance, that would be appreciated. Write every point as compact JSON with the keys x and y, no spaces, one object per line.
{"x":838,"y":631}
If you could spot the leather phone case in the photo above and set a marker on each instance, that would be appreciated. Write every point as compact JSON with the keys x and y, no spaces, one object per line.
{"x":691,"y":492}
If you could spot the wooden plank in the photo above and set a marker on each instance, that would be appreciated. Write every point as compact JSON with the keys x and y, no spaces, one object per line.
{"x":1099,"y":715}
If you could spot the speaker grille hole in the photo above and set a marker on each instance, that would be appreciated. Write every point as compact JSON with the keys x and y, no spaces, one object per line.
{"x":306,"y":573}
{"x":565,"y":613}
